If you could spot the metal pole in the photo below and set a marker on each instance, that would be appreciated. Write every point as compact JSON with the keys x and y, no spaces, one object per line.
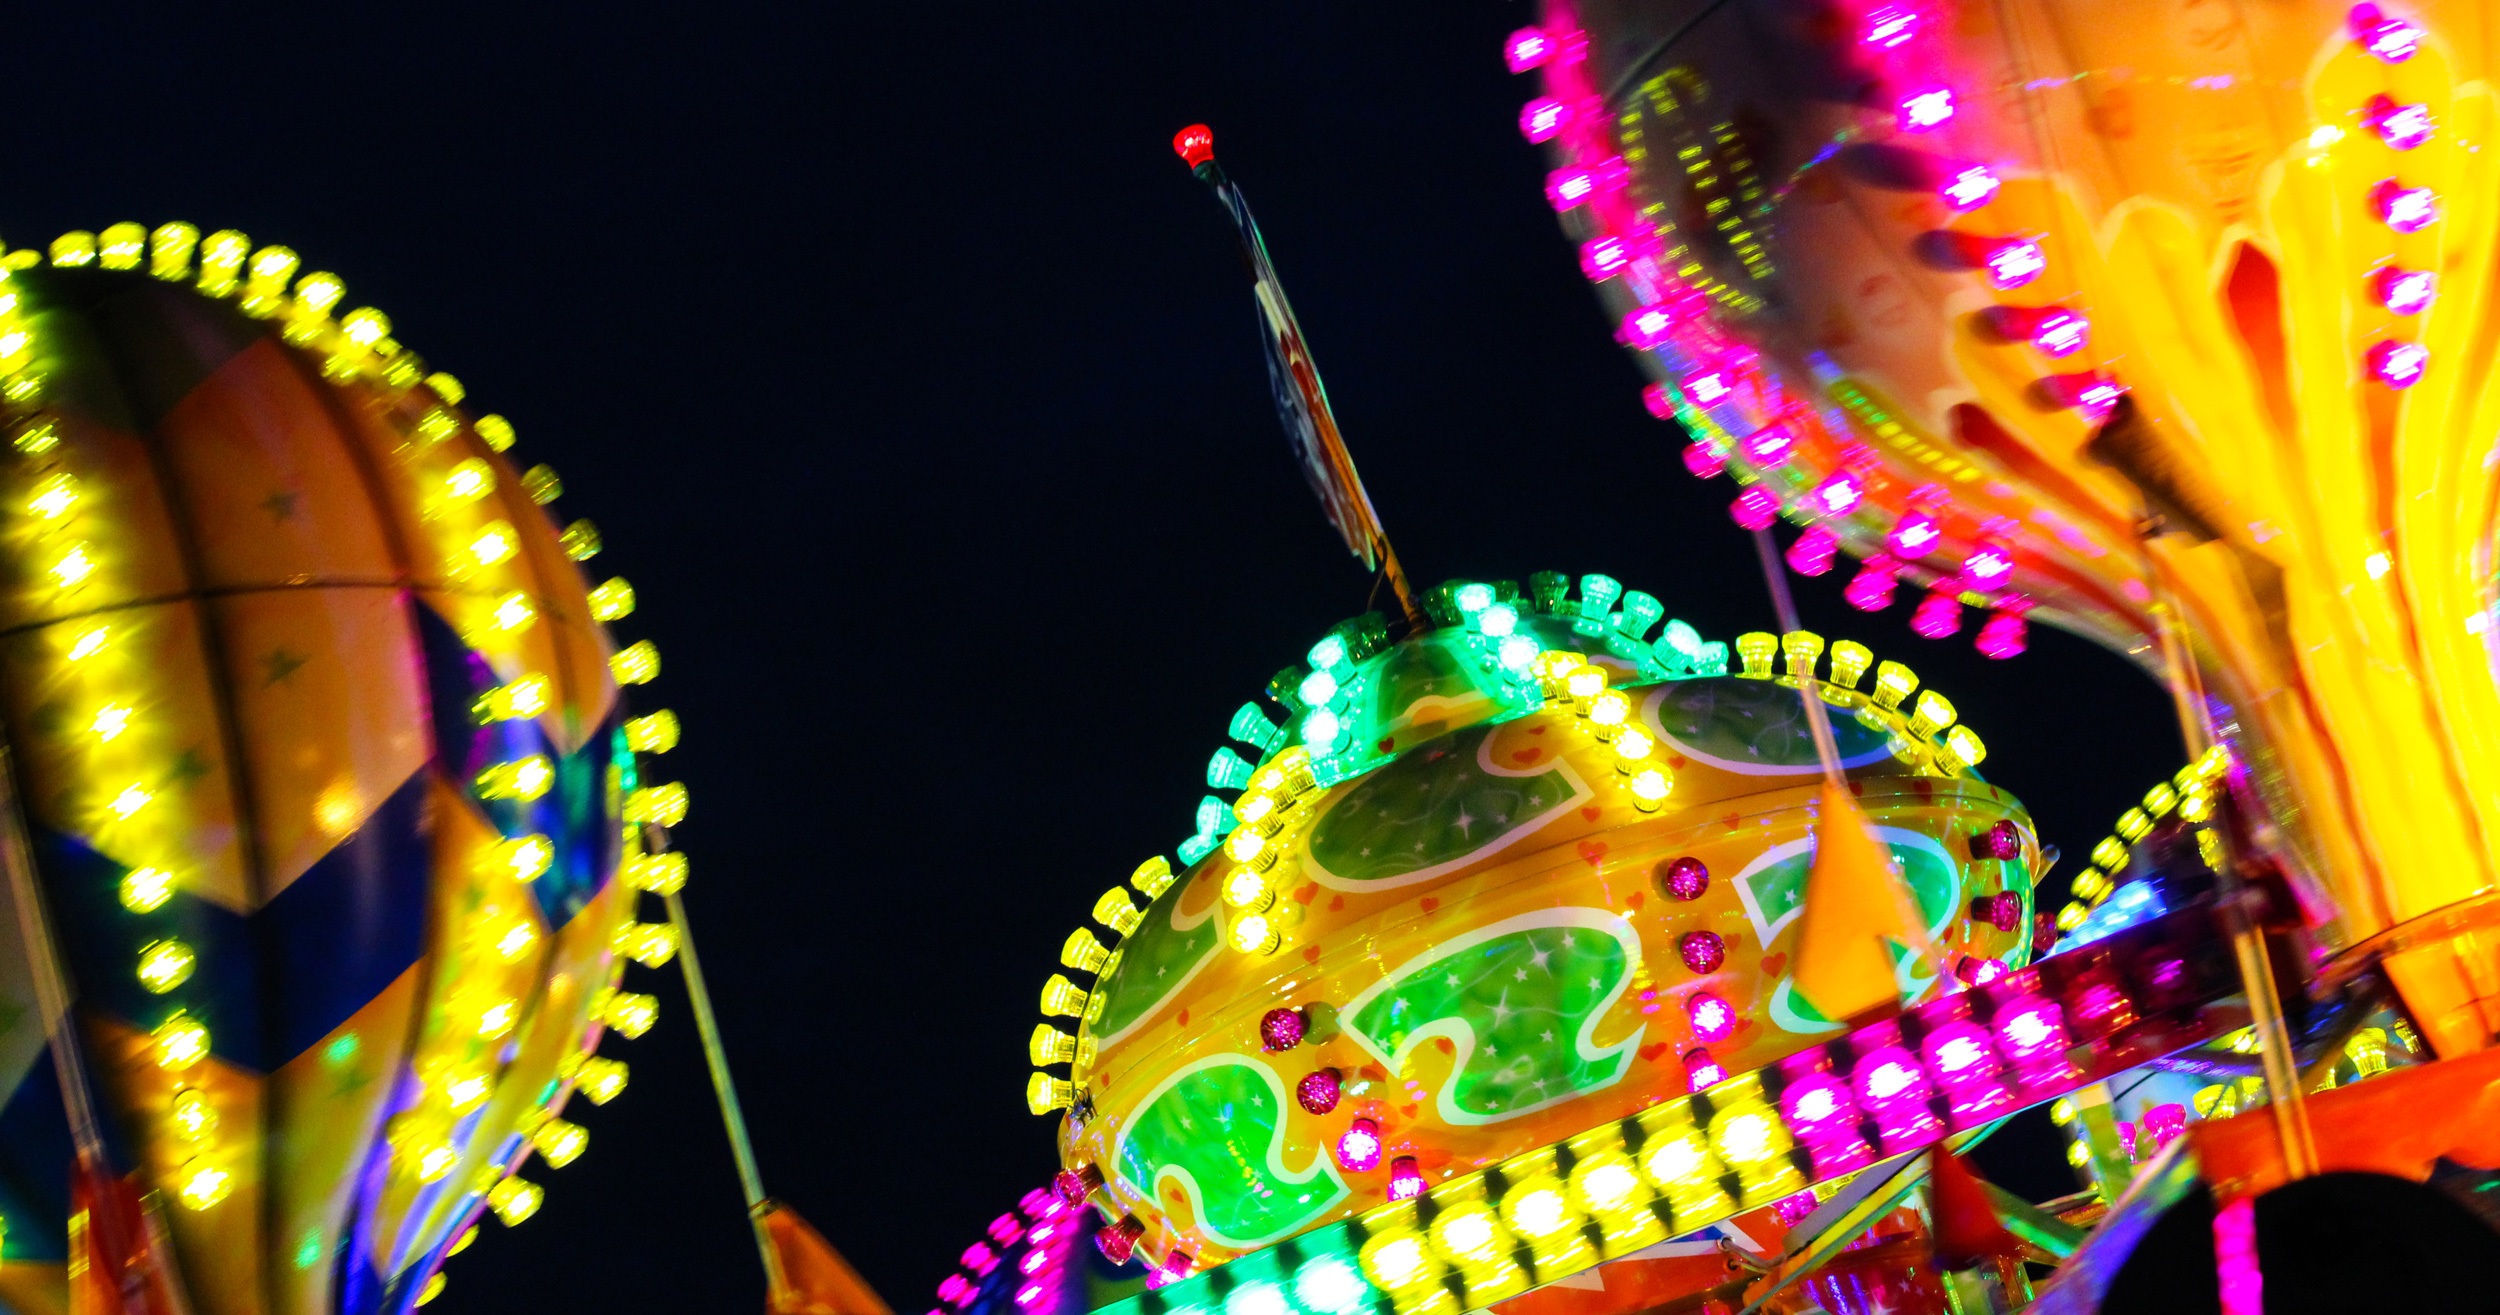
{"x":732,"y":1117}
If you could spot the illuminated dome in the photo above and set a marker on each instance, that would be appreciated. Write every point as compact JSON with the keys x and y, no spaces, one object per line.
{"x":1491,"y":885}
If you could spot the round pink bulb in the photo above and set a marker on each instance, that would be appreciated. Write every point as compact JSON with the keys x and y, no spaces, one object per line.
{"x":2060,"y":333}
{"x":2402,"y":127}
{"x":2003,"y":635}
{"x":1541,"y":120}
{"x":2406,"y":291}
{"x":1714,"y":1019}
{"x":1840,"y":494}
{"x":1702,"y":1071}
{"x":1755,"y":508}
{"x":1568,"y":188}
{"x":1406,"y":1181}
{"x":2087,"y":392}
{"x":2405,"y":209}
{"x":1914,"y":534}
{"x":1685,"y":879}
{"x":1281,"y":1029}
{"x":1702,"y":951}
{"x":1971,"y":187}
{"x":1656,"y":400}
{"x":1647,"y":327}
{"x":1925,"y":108}
{"x":1987,"y":566}
{"x":1603,"y":258}
{"x":1529,"y":47}
{"x":1710,"y":387}
{"x":979,"y":1258}
{"x":1813,"y":551}
{"x":1939,"y":613}
{"x":1889,"y":27}
{"x":1792,"y":1210}
{"x":2390,"y":40}
{"x":2399,"y":364}
{"x":1320,"y":1090}
{"x":1704,"y":463}
{"x":2014,"y":262}
{"x":1769,"y":445}
{"x":1359,"y":1149}
{"x":1870,"y":590}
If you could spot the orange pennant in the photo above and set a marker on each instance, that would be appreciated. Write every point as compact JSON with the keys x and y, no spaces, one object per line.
{"x":1854,"y":904}
{"x":814,"y":1278}
{"x":1967,"y":1228}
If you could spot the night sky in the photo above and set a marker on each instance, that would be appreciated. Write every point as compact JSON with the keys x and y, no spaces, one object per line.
{"x":916,"y":387}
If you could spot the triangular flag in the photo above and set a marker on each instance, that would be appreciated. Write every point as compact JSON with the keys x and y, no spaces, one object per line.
{"x":1967,"y":1229}
{"x":815,"y":1279}
{"x":114,"y":1265}
{"x":1854,"y":904}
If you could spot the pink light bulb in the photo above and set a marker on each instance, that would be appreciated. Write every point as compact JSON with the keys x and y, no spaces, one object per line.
{"x":1710,"y":387}
{"x":1647,"y":327}
{"x":2391,"y":40}
{"x":1755,"y":508}
{"x":1603,"y":258}
{"x":1701,"y":1071}
{"x":1320,"y":1090}
{"x":1714,"y":1019}
{"x":1792,"y":1210}
{"x":2029,"y":1028}
{"x":1685,"y":879}
{"x":1406,"y":1181}
{"x":1033,"y":1261}
{"x":1889,"y":27}
{"x":1871,"y":589}
{"x":1359,"y":1149}
{"x":1281,"y":1029}
{"x":1939,"y":613}
{"x":1528,"y":48}
{"x":1914,"y":534}
{"x":1702,"y":461}
{"x":1656,"y":400}
{"x":2402,"y":127}
{"x":1984,"y":971}
{"x":1959,"y":1052}
{"x":1839,"y":494}
{"x":1988,"y":565}
{"x":1567,"y":188}
{"x":1925,"y":108}
{"x":979,"y":1258}
{"x":1813,"y":551}
{"x":1971,"y":187}
{"x":1541,"y":120}
{"x":1817,"y":1106}
{"x":2060,"y":333}
{"x":1702,"y":951}
{"x":2406,"y":291}
{"x":955,"y":1291}
{"x":2405,"y":209}
{"x":1005,"y":1229}
{"x":1769,"y":445}
{"x":2399,"y":364}
{"x":2003,"y":635}
{"x":2088,"y":392}
{"x":2014,"y":262}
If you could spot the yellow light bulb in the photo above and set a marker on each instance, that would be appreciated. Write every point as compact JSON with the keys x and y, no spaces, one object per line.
{"x":542,"y":484}
{"x":1397,"y":1263}
{"x":316,"y":293}
{"x":526,"y":779}
{"x":1673,"y":1161}
{"x":145,"y":890}
{"x":1633,"y":744}
{"x":600,"y":1079}
{"x":1849,"y":661}
{"x":2072,"y":916}
{"x":1609,"y":1187}
{"x":37,"y":437}
{"x":364,"y":326}
{"x":2062,"y":1111}
{"x":1539,"y":1212}
{"x":635,"y":664}
{"x":169,"y":250}
{"x":1050,"y":1045}
{"x":1248,"y":890}
{"x":192,"y":1115}
{"x":180,"y":1043}
{"x":2132,"y":824}
{"x":1254,"y":934}
{"x":1935,"y":712}
{"x":468,"y":481}
{"x":655,"y":733}
{"x":466,"y":1093}
{"x":560,"y":1143}
{"x":1112,"y":909}
{"x":2111,"y":854}
{"x":204,"y":1185}
{"x":650,"y":944}
{"x":1609,"y":709}
{"x":1585,"y":682}
{"x":1965,"y":747}
{"x":89,"y":642}
{"x":1893,"y":683}
{"x":522,"y":858}
{"x":1649,"y":788}
{"x":496,"y":430}
{"x":630,"y":1014}
{"x":515,"y":941}
{"x":73,"y":566}
{"x":661,"y":874}
{"x":1245,"y":845}
{"x":526,"y":697}
{"x":165,"y":964}
{"x":1746,"y":1139}
{"x":1044,"y":1093}
{"x":1062,"y":998}
{"x":1755,"y":648}
{"x":1083,"y":952}
{"x":1801,"y":648}
{"x":497,"y":1019}
{"x":513,"y":612}
{"x":580,"y":540}
{"x":54,"y":497}
{"x":662,"y":805}
{"x":612,"y":601}
{"x":132,"y":798}
{"x":436,"y":1161}
{"x":110,"y":721}
{"x":496,"y":543}
{"x":76,"y":247}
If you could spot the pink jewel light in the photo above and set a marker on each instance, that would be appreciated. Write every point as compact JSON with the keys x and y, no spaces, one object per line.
{"x":1406,"y":1181}
{"x":1971,"y":188}
{"x":1840,"y":494}
{"x":1319,"y":1090}
{"x":1702,"y":1071}
{"x":2014,"y":262}
{"x":1755,"y":508}
{"x":2399,"y":364}
{"x":1280,"y":1029}
{"x":1913,"y":534}
{"x":1710,"y":387}
{"x":1939,"y":613}
{"x":1714,"y":1019}
{"x":1891,"y":26}
{"x":2060,"y":333}
{"x":1528,"y":48}
{"x":1925,"y":108}
{"x":1686,"y":878}
{"x":979,"y":1258}
{"x":1566,"y":188}
{"x":1704,"y":463}
{"x":1541,"y":120}
{"x":1702,"y":951}
{"x":1871,"y":589}
{"x":1359,"y":1149}
{"x":2088,"y":392}
{"x":2003,"y":635}
{"x":1603,"y":258}
{"x":2402,"y":127}
{"x":1658,"y":401}
{"x":2406,"y":291}
{"x":2405,"y":209}
{"x":2391,"y":40}
{"x":1987,"y":566}
{"x":1647,"y":327}
{"x":1769,"y":445}
{"x":1792,"y":1209}
{"x":1813,"y":551}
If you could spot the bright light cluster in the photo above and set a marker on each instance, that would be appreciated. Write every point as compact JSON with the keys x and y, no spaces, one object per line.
{"x":2194,"y":793}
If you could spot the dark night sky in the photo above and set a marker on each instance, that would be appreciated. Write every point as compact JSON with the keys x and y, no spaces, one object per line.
{"x":916,"y":387}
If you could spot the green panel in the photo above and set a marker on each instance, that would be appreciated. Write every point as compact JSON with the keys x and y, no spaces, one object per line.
{"x":1154,"y":961}
{"x":1754,"y":726}
{"x":1437,"y":805}
{"x":1218,"y":1129}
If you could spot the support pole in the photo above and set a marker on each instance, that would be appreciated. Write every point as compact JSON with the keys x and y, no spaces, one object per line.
{"x":732,"y":1117}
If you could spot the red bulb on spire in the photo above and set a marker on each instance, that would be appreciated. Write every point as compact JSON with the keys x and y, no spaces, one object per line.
{"x":1195,"y":143}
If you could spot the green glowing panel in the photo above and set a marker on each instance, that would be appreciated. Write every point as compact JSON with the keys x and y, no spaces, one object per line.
{"x":1217,"y":1130}
{"x":1444,"y":805}
{"x":1755,"y":727}
{"x":1166,"y":950}
{"x":1520,"y":1002}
